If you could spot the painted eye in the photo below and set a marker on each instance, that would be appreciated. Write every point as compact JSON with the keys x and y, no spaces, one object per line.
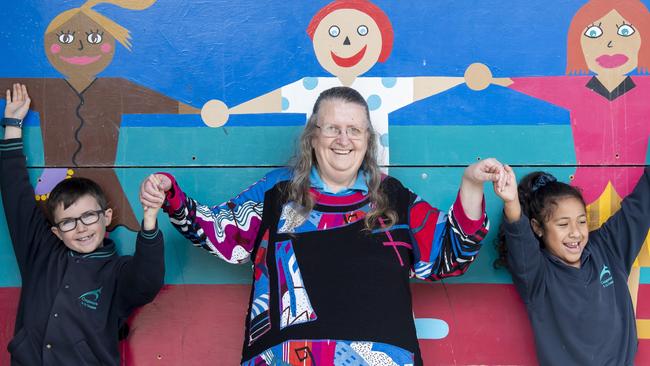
{"x":334,"y":31}
{"x":362,"y":30}
{"x":594,"y":32}
{"x":625,"y":30}
{"x":94,"y":37}
{"x":66,"y":38}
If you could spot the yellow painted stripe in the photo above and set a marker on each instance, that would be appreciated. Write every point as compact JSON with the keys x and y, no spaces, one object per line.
{"x":643,"y":328}
{"x":605,"y":205}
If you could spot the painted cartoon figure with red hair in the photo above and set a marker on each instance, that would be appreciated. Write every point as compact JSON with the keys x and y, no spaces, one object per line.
{"x":349,"y":38}
{"x":609,"y":110}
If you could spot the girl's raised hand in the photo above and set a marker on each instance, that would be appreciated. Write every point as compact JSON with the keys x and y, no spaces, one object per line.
{"x":508,"y":190}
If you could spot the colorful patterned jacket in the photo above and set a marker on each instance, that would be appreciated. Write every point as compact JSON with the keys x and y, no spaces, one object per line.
{"x":326,"y":289}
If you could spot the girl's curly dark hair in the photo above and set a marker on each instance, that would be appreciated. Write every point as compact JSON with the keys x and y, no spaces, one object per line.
{"x":539,"y":193}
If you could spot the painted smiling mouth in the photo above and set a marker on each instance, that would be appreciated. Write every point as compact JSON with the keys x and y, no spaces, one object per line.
{"x":80,"y":60}
{"x":349,"y":61}
{"x":612,"y":61}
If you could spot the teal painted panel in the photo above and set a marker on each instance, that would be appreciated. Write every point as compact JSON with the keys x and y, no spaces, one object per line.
{"x":196,"y":146}
{"x":461,"y":145}
{"x":644,"y":277}
{"x":33,"y":146}
{"x":410,"y":145}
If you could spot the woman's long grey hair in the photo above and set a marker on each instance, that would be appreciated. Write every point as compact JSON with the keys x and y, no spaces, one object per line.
{"x":301,"y":164}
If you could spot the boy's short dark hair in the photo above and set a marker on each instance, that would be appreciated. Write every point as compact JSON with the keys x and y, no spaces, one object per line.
{"x":68,"y":191}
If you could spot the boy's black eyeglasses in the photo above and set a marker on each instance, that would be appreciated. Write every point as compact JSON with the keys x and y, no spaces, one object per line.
{"x":87,"y":218}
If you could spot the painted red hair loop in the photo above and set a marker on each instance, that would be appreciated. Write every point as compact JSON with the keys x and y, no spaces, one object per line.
{"x":366,"y":7}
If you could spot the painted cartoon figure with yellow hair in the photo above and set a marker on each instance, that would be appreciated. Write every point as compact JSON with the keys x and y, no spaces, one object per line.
{"x":81,"y":114}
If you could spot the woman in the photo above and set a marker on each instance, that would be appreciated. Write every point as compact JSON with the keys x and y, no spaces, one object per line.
{"x":334,"y":243}
{"x":81,"y":114}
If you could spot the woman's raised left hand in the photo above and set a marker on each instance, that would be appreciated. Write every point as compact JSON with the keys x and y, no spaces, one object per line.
{"x":487,"y":170}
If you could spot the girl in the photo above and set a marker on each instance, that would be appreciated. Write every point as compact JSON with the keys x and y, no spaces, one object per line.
{"x":572,"y":281}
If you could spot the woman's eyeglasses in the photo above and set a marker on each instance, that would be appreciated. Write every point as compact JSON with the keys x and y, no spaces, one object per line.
{"x":353,"y":133}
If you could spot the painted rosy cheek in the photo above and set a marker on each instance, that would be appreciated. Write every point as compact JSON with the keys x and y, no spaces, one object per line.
{"x":106,"y":48}
{"x":55,"y":48}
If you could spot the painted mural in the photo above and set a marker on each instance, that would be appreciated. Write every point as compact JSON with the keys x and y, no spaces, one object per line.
{"x":81,"y":113}
{"x":554,"y":85}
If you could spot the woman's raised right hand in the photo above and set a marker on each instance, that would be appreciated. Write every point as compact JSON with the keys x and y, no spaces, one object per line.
{"x":152,"y":188}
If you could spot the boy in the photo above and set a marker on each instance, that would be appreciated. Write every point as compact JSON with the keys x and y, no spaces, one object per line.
{"x":76,"y":291}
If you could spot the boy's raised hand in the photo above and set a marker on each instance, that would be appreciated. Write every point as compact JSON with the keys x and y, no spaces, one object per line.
{"x":17,"y":102}
{"x":152,"y":190}
{"x":152,"y":205}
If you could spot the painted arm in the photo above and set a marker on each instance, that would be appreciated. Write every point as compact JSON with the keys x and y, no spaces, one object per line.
{"x":215,"y":113}
{"x":137,"y":99}
{"x":558,"y":90}
{"x":426,"y":86}
{"x":625,"y":232}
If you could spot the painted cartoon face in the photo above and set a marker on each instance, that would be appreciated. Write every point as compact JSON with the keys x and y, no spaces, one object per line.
{"x":611,"y":45}
{"x":84,"y":238}
{"x":79,"y":47}
{"x":565,"y":233}
{"x":347,"y":42}
{"x":340,"y":157}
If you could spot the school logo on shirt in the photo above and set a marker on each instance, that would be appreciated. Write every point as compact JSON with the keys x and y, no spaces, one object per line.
{"x":91,"y":299}
{"x":606,"y":278}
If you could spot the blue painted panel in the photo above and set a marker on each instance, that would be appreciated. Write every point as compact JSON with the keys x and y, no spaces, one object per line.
{"x":493,"y":106}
